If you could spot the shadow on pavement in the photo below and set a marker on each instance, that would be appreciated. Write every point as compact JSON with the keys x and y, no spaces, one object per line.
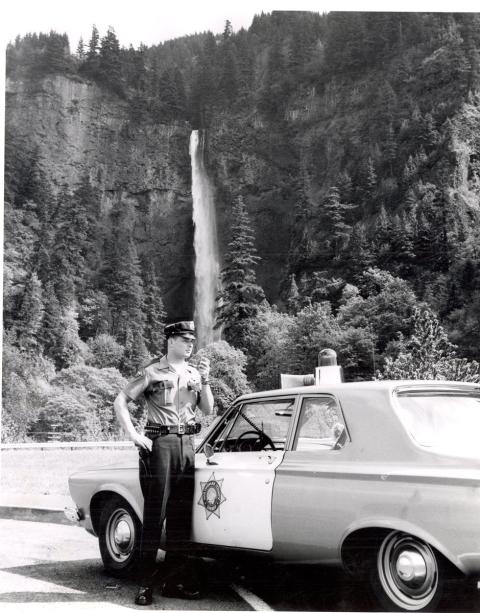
{"x":88,"y":582}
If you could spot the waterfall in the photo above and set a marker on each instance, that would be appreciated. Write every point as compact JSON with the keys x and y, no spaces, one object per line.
{"x":207,"y":267}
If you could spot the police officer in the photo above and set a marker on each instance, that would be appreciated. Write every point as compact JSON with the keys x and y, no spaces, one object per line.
{"x":172,"y":389}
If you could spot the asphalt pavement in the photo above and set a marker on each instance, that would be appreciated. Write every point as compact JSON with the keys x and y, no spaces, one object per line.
{"x":49,"y":565}
{"x":47,"y":562}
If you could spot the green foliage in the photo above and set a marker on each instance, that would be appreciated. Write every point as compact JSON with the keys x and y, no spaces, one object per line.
{"x":272,"y":352}
{"x":72,"y":350}
{"x":79,"y":405}
{"x":154,"y":311}
{"x":105,"y":352}
{"x":373,"y":115}
{"x":30,"y":317}
{"x":25,"y":378}
{"x":335,"y":214}
{"x":428,"y":354}
{"x":314,"y":328}
{"x":240,"y":296}
{"x":227,"y":372}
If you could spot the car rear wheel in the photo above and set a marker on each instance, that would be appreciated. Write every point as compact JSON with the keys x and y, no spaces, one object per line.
{"x":119,"y":537}
{"x":407,"y":574}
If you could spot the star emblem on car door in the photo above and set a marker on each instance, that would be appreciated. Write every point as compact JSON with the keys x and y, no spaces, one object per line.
{"x":211,"y":497}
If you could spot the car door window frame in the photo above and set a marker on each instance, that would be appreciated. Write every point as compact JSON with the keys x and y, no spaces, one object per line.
{"x":296,"y":425}
{"x":238,"y":406}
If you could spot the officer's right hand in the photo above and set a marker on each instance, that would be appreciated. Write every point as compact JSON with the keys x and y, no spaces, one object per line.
{"x":142,"y":441}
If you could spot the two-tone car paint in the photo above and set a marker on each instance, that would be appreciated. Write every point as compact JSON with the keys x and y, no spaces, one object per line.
{"x":314,"y":505}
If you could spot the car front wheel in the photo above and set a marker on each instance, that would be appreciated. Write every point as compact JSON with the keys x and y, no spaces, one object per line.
{"x":407,"y":574}
{"x":119,"y":537}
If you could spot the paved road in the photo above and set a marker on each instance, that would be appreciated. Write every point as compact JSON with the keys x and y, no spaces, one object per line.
{"x":54,"y":564}
{"x":44,"y":566}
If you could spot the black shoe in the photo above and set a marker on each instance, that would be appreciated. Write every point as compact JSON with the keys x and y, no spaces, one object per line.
{"x":179,"y":590}
{"x":144,"y":596}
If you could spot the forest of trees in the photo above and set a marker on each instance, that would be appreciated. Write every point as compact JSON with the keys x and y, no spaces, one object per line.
{"x":383,"y":263}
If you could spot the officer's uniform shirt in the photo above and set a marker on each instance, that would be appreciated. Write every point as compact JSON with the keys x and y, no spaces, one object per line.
{"x":171,"y":397}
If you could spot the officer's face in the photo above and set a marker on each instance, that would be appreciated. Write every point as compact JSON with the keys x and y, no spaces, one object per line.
{"x":181,"y":346}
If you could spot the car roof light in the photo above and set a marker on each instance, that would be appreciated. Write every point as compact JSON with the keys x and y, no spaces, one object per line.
{"x":327,"y":372}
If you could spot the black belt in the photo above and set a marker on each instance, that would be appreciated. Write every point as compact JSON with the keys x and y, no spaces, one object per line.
{"x":180,"y":429}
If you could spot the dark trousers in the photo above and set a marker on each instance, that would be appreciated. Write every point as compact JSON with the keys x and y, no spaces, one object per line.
{"x":167,"y":479}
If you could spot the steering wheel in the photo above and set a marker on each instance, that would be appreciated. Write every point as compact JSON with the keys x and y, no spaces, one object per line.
{"x":258,"y":435}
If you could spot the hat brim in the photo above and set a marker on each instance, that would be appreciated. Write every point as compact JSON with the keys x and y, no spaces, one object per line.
{"x":188,"y":335}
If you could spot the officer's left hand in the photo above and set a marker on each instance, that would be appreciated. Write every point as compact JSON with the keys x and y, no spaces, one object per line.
{"x":204,"y":368}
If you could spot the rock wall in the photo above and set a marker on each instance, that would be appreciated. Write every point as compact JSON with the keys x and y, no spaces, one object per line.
{"x":78,"y":129}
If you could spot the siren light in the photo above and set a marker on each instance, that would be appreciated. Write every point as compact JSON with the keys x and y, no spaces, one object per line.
{"x":326,"y":372}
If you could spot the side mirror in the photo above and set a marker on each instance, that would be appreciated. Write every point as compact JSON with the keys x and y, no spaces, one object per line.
{"x":340,"y":435}
{"x":208,"y":451}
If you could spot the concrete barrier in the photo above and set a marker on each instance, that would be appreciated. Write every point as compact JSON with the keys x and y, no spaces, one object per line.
{"x":67,"y":445}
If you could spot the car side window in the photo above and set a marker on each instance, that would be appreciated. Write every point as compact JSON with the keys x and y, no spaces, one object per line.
{"x":321,"y":425}
{"x":258,"y":425}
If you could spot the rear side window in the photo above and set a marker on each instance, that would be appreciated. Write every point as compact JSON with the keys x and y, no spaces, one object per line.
{"x":321,"y":425}
{"x":442,"y":421}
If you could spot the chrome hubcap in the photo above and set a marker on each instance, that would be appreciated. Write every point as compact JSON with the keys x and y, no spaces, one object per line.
{"x":411,"y":567}
{"x":120,"y":535}
{"x":408,"y":571}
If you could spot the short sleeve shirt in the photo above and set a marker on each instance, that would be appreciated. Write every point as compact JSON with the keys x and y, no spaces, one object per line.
{"x":171,"y":397}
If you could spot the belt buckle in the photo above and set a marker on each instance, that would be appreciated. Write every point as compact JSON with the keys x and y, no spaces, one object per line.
{"x":181,"y":428}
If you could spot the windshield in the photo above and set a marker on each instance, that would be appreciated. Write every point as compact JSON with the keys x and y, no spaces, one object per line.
{"x":444,"y":422}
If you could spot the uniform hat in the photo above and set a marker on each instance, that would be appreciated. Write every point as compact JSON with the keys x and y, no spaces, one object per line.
{"x":182,"y":328}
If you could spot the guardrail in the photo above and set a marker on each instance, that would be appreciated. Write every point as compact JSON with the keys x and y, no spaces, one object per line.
{"x":67,"y":445}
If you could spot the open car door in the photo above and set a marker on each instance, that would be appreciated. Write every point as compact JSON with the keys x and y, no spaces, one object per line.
{"x":234,"y":487}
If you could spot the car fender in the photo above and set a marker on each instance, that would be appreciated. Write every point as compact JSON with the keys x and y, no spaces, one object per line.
{"x":124,"y":492}
{"x":395,"y":523}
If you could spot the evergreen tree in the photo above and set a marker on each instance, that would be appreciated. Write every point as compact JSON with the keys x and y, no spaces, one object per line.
{"x":171,"y":99}
{"x":245,"y":62}
{"x":428,"y":354}
{"x":121,"y":280}
{"x":154,"y":311}
{"x":30,"y":317}
{"x":229,"y":74}
{"x":81,"y":49}
{"x":401,"y":245}
{"x":358,"y":256}
{"x":85,"y":221}
{"x":390,"y":148}
{"x":56,"y":55}
{"x":72,"y":349}
{"x":334,"y":213}
{"x":368,"y":183}
{"x":382,"y":239}
{"x":241,"y":297}
{"x":109,"y":61}
{"x":344,"y":184}
{"x":292,"y":299}
{"x":51,"y":331}
{"x":272,"y":95}
{"x":92,"y":60}
{"x":205,"y":82}
{"x":93,"y":44}
{"x":71,"y":236}
{"x":135,"y":354}
{"x":227,"y":30}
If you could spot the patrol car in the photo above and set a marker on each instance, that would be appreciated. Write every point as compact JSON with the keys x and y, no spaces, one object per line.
{"x":379,"y":477}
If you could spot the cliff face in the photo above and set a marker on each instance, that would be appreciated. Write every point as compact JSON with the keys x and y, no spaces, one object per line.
{"x":78,"y":129}
{"x":245,"y":158}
